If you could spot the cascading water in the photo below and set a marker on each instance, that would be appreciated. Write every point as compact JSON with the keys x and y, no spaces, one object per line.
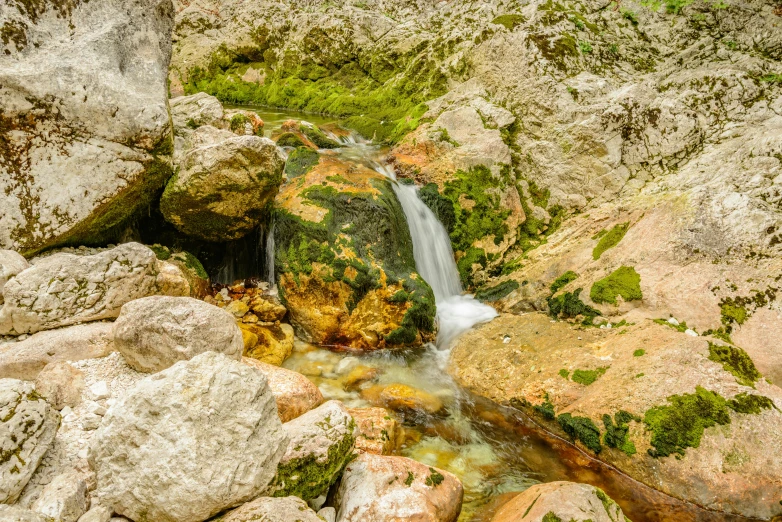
{"x":270,"y":254}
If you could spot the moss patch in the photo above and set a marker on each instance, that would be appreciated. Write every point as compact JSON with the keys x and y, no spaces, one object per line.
{"x":639,"y":352}
{"x":610,"y":239}
{"x":509,"y":21}
{"x":300,"y":161}
{"x":581,"y":429}
{"x":497,"y":292}
{"x":736,"y":361}
{"x":563,"y":280}
{"x":616,"y":435}
{"x":441,"y":206}
{"x":587,"y":377}
{"x":750,"y":404}
{"x":624,"y":281}
{"x":569,"y":306}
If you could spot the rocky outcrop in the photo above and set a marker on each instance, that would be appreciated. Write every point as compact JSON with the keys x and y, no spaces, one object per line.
{"x":86,"y":133}
{"x":28,"y":425}
{"x":220,"y":191}
{"x":560,"y":501}
{"x":206,"y":428}
{"x":270,"y":509}
{"x":385,"y":489}
{"x":156,"y":332}
{"x":320,"y":444}
{"x":65,"y":289}
{"x":294,"y":393}
{"x":689,"y":416}
{"x":25,"y":359}
{"x":345,"y":262}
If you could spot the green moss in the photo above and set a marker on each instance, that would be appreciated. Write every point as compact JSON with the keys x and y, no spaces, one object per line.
{"x":732,"y":312}
{"x":551,"y":517}
{"x":546,"y":409}
{"x":569,"y":306}
{"x":473,"y":256}
{"x":434,"y":479}
{"x":237,"y":122}
{"x":587,"y":377}
{"x":581,"y":429}
{"x":161,"y":252}
{"x":318,"y":137}
{"x":509,"y":21}
{"x":681,"y":327}
{"x":736,"y":361}
{"x":639,"y":352}
{"x":616,"y":435}
{"x":410,"y":478}
{"x":563,"y":280}
{"x":610,"y":239}
{"x":624,"y":281}
{"x":300,"y":161}
{"x":750,"y":404}
{"x":564,"y":373}
{"x":680,"y":424}
{"x":289,"y":139}
{"x":496,"y":292}
{"x":441,"y":206}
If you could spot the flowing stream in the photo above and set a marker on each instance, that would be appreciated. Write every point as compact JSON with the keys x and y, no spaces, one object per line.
{"x":496,"y":452}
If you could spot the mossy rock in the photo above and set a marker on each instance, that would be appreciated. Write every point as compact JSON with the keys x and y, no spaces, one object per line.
{"x":624,"y":282}
{"x":190,"y":266}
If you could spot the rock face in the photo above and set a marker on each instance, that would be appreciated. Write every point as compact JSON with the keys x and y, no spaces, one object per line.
{"x":269,"y":509}
{"x":81,"y":153}
{"x":64,"y":289}
{"x":294,"y":393}
{"x":155,"y":332}
{"x":11,"y":263}
{"x":345,"y":261}
{"x":320,"y":444}
{"x":566,"y":500}
{"x":689,"y":416}
{"x":206,"y":428}
{"x":385,"y":489}
{"x":17,"y":514}
{"x":28,"y":425}
{"x":220,"y":191}
{"x":61,"y":384}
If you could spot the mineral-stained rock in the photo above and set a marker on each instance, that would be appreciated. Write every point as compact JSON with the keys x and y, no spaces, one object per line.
{"x":386,"y":489}
{"x":64,"y":499}
{"x":190,"y":112}
{"x":155,"y":332}
{"x":345,"y":262}
{"x":377,"y":430}
{"x":271,"y":509}
{"x":86,"y":132}
{"x":666,"y":408}
{"x":220,"y":191}
{"x":404,"y":398}
{"x":28,"y":425}
{"x":60,"y":384}
{"x":64,"y":289}
{"x":321,"y":443}
{"x":271,"y":343}
{"x":203,"y":429}
{"x":566,"y":500}
{"x":25,"y":359}
{"x":293,"y":392}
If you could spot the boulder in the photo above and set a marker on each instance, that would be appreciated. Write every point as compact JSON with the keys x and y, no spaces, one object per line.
{"x":267,"y":308}
{"x":28,"y":425}
{"x":86,"y":132}
{"x":221,"y":191}
{"x":244,"y":122}
{"x":377,"y":430}
{"x":155,"y":332}
{"x":11,"y":263}
{"x":406,"y":399}
{"x":294,"y":133}
{"x":25,"y":359}
{"x":386,"y":489}
{"x":293,"y":392}
{"x":566,"y":500}
{"x":203,"y":429}
{"x":96,"y":514}
{"x":64,"y":499}
{"x":60,"y":384}
{"x":270,"y":509}
{"x":689,"y":416}
{"x":191,"y":112}
{"x":270,"y":343}
{"x":190,"y":267}
{"x":345,"y":263}
{"x":321,"y":443}
{"x":64,"y":289}
{"x":17,"y":514}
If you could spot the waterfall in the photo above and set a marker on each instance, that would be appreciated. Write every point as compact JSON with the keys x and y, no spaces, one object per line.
{"x":270,"y":254}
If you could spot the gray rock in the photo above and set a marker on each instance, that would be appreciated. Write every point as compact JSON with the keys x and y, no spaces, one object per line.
{"x":86,"y":132}
{"x":271,"y":509}
{"x":17,"y":514}
{"x":329,"y":514}
{"x":321,"y":444}
{"x":65,"y":289}
{"x":64,"y":499}
{"x":11,"y":263}
{"x":204,"y":429}
{"x":189,"y":112}
{"x":97,"y":513}
{"x":28,"y":425}
{"x":155,"y":332}
{"x":61,"y":384}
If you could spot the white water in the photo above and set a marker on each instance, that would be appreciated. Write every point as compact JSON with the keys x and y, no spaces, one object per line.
{"x":270,"y":255}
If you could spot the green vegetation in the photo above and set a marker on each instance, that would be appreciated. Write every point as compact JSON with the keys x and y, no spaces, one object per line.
{"x":569,"y":306}
{"x":410,"y":478}
{"x":300,"y":161}
{"x":510,"y":21}
{"x":681,"y":327}
{"x":581,"y":429}
{"x":435,"y":479}
{"x":587,"y":377}
{"x":238,"y":122}
{"x":736,"y":361}
{"x":732,"y":312}
{"x":639,"y":352}
{"x":551,"y":517}
{"x":546,"y":409}
{"x":289,"y":139}
{"x":318,"y":137}
{"x":630,"y":15}
{"x":441,"y":206}
{"x":562,"y":281}
{"x":497,"y":292}
{"x":750,"y":404}
{"x":616,"y":435}
{"x":610,"y":239}
{"x":772,"y":78}
{"x":585,"y":47}
{"x":624,"y":281}
{"x":564,"y":373}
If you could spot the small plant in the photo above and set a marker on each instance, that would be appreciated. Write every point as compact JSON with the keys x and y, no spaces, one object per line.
{"x":772,"y":78}
{"x":585,"y":46}
{"x":639,"y":352}
{"x":630,"y":15}
{"x":731,"y":45}
{"x":613,"y":49}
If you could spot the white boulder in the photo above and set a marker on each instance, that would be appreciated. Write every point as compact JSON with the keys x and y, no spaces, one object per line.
{"x":273,"y":509}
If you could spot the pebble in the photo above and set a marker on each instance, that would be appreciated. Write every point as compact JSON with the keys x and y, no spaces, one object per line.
{"x":100,"y":390}
{"x":691,"y":333}
{"x":673,"y":321}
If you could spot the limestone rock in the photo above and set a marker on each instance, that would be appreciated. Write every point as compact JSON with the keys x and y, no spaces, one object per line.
{"x":97,"y":514}
{"x":293,"y":392}
{"x":339,"y":224}
{"x":221,"y":191}
{"x":321,"y":443}
{"x":28,"y":425}
{"x":65,"y":289}
{"x":86,"y":132}
{"x":189,"y":267}
{"x":60,"y":384}
{"x":11,"y":263}
{"x":155,"y":332}
{"x":206,"y":428}
{"x":270,"y":509}
{"x":17,"y":514}
{"x":25,"y":359}
{"x":64,"y":499}
{"x":566,"y":500}
{"x":385,"y":489}
{"x":190,"y":112}
{"x":329,"y":514}
{"x":377,"y":430}
{"x":270,"y":343}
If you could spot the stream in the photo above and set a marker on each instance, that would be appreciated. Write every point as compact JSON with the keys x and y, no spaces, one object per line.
{"x":495,"y":451}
